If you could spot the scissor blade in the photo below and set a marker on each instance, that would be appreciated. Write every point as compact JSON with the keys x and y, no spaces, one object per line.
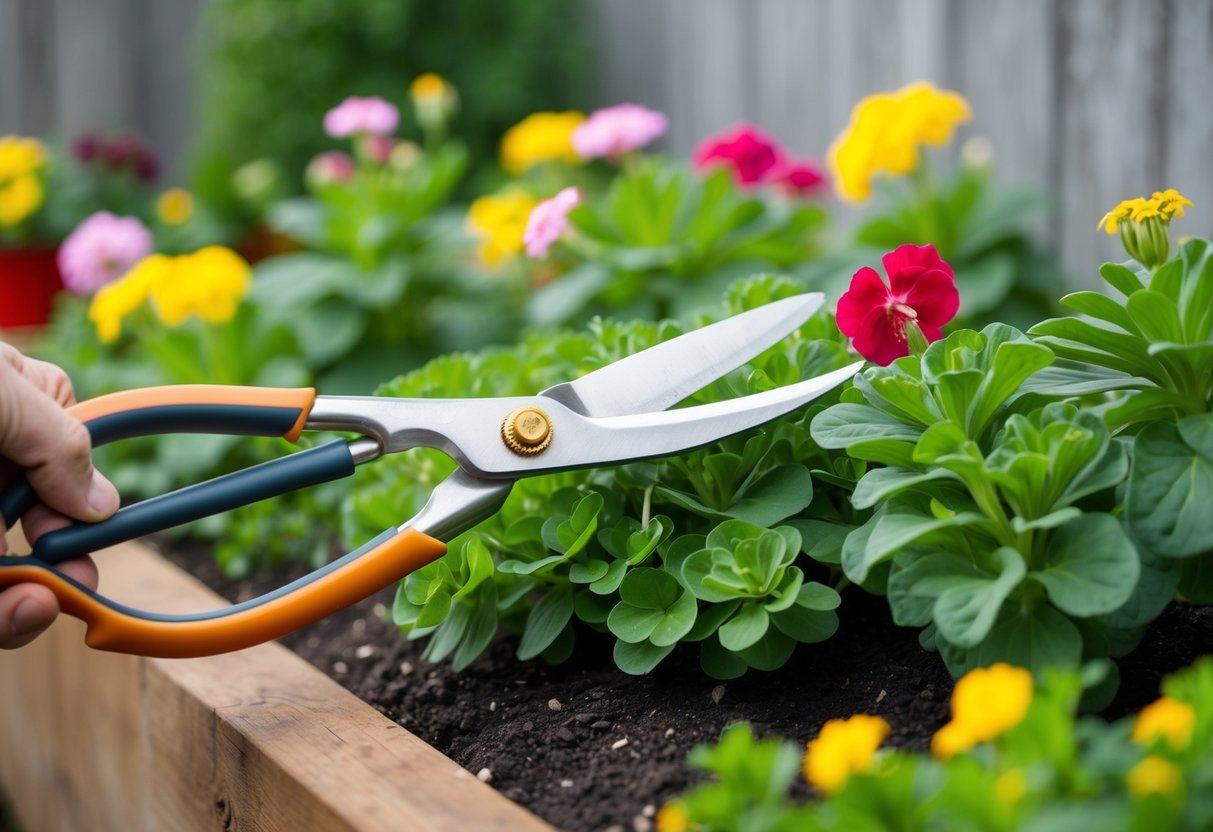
{"x":665,"y":374}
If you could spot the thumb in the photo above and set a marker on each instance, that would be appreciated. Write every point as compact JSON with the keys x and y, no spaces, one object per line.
{"x":54,"y":448}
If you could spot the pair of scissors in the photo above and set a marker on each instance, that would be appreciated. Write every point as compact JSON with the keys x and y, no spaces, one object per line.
{"x":615,"y":414}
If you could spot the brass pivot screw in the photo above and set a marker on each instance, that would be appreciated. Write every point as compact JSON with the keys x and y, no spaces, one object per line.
{"x":527,"y":431}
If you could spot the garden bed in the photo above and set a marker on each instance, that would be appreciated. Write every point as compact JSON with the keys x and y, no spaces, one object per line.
{"x":552,"y":738}
{"x":251,"y":740}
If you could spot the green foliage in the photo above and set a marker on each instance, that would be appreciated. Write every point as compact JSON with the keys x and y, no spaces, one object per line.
{"x":664,"y":240}
{"x":620,"y":549}
{"x":991,"y":523}
{"x":1151,"y":355}
{"x":1053,"y":770}
{"x":273,"y":69}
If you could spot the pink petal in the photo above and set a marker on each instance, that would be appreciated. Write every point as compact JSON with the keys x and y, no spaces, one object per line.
{"x":867,"y":292}
{"x":880,"y":337}
{"x":934,"y":296}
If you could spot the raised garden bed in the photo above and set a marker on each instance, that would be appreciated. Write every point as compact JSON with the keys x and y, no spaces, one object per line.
{"x":552,"y":738}
{"x":252,"y":740}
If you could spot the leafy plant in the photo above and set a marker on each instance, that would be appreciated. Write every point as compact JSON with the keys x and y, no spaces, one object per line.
{"x":1049,"y":770}
{"x":591,"y":546}
{"x":991,"y":523}
{"x":1152,"y":353}
{"x":664,"y":240}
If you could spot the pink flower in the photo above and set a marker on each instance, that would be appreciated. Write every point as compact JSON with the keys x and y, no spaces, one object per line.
{"x":328,"y":167}
{"x":549,"y":219}
{"x":921,"y":292}
{"x":379,"y":148}
{"x":361,"y":115}
{"x":800,"y":179}
{"x":614,"y":131}
{"x":102,"y":248}
{"x":752,"y":154}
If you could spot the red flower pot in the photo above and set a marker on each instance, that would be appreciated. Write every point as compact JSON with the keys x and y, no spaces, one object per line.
{"x":29,"y":280}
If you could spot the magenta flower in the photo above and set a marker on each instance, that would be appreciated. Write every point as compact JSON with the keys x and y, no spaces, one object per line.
{"x":548,"y":220}
{"x":361,"y":115}
{"x":751,"y":154}
{"x":329,"y":167}
{"x":800,"y":179}
{"x":921,"y":292}
{"x":102,"y":248}
{"x":614,"y":131}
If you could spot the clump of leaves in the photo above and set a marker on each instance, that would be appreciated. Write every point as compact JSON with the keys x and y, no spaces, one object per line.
{"x":1051,"y":770}
{"x":992,"y":524}
{"x":1152,"y":351}
{"x":694,"y":548}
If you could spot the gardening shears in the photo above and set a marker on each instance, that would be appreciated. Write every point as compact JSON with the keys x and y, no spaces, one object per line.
{"x":615,"y":414}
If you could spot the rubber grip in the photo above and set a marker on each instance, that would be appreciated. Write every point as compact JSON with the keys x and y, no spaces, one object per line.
{"x":121,"y":629}
{"x":326,"y":462}
{"x":184,"y":408}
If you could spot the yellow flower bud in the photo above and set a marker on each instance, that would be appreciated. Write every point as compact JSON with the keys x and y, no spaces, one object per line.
{"x":175,"y":206}
{"x":539,"y":138}
{"x":986,"y":702}
{"x":19,"y":199}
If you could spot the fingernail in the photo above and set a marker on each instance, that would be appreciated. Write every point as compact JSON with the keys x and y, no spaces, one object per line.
{"x":102,"y":496}
{"x":28,"y":618}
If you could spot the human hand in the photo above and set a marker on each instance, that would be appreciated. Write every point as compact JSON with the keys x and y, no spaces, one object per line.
{"x":38,"y":436}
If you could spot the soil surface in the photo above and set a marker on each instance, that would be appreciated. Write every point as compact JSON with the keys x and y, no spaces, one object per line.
{"x":587,"y":747}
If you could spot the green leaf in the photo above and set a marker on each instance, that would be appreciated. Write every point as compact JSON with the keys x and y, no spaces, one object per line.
{"x":449,"y":633}
{"x":815,"y":596}
{"x":720,"y":663}
{"x":771,"y":652}
{"x":1092,"y":566}
{"x":822,"y":540}
{"x":893,"y":530}
{"x":633,"y":624}
{"x":1156,"y":316}
{"x":1067,"y":378}
{"x":806,"y":625}
{"x":842,"y":425}
{"x":1121,"y":278}
{"x":547,"y":618}
{"x":1035,"y":638}
{"x":587,"y":572}
{"x":563,"y":299}
{"x":1170,"y":483}
{"x":1099,"y":305}
{"x":480,"y":630}
{"x":678,"y":621}
{"x":610,"y":581}
{"x":744,"y":629}
{"x":781,"y":493}
{"x":1160,"y":577}
{"x":649,"y":588}
{"x":591,"y":607}
{"x":479,"y":564}
{"x":880,"y":483}
{"x":1050,"y":521}
{"x":639,"y":659}
{"x":965,"y":611}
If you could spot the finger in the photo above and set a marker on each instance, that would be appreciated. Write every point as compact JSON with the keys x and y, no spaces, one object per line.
{"x":25,"y":611}
{"x":42,"y":519}
{"x":37,"y":434}
{"x":50,"y":379}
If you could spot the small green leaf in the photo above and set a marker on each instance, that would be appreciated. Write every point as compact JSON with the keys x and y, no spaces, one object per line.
{"x":611,"y":579}
{"x":633,"y":624}
{"x":639,"y":659}
{"x":1121,"y":278}
{"x":806,"y":625}
{"x":771,"y":652}
{"x":709,"y":619}
{"x":649,"y":588}
{"x":679,"y":619}
{"x":1170,"y":483}
{"x":815,"y":596}
{"x":547,"y":618}
{"x":744,"y":629}
{"x":965,"y":611}
{"x":720,"y":663}
{"x":880,"y":483}
{"x":589,"y":571}
{"x":1092,"y":566}
{"x":1050,"y":521}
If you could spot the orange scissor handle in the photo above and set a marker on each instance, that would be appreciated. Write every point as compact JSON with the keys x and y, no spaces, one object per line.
{"x":121,"y":629}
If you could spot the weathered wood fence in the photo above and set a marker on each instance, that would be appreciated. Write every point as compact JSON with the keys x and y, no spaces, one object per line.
{"x":1092,"y":100}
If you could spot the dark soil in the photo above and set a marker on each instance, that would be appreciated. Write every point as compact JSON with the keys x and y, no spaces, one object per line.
{"x":587,"y":747}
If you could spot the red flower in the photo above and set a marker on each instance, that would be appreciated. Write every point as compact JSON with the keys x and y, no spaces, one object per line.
{"x":752,"y":154}
{"x":921,"y":291}
{"x":801,"y":179}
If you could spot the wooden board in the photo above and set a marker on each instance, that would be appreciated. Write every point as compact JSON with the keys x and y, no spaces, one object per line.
{"x":255,"y":740}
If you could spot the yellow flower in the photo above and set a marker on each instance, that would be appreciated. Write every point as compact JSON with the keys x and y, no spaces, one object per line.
{"x":208,"y":283}
{"x":887,"y":130}
{"x":1146,"y":208}
{"x":539,"y":138}
{"x":175,"y":206}
{"x":114,"y":301}
{"x":434,"y":98}
{"x":19,"y":156}
{"x":844,"y":747}
{"x":428,"y":87}
{"x":1172,"y":202}
{"x":1122,"y":211}
{"x":985,"y":703}
{"x":673,"y":817}
{"x":1010,"y":787}
{"x":20,"y":198}
{"x":1153,"y":775}
{"x":1167,"y":718}
{"x":501,"y":220}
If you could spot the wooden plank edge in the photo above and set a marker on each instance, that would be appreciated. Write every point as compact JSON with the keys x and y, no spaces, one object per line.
{"x":257,"y":739}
